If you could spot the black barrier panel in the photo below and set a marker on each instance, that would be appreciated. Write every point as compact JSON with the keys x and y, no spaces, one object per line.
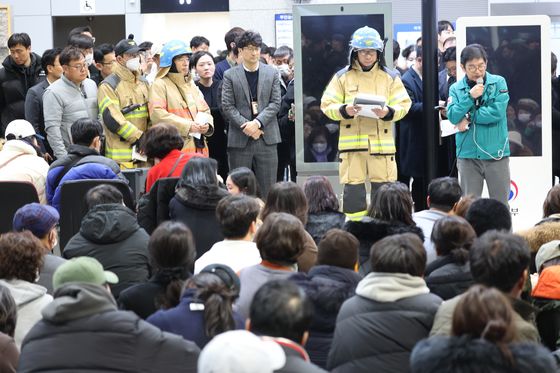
{"x":325,"y":50}
{"x":514,"y":52}
{"x":182,"y":6}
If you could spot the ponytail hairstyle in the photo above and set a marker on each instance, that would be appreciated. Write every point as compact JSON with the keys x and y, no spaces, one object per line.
{"x":172,"y":255}
{"x":217,"y":297}
{"x":453,"y":236}
{"x":487,"y":314}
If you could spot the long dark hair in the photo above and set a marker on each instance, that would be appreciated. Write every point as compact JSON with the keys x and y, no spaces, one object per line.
{"x":392,"y":202}
{"x":172,"y":255}
{"x":288,"y":197}
{"x":453,"y":235}
{"x":320,"y":195}
{"x":245,"y":180}
{"x":218,"y":302}
{"x":199,"y":172}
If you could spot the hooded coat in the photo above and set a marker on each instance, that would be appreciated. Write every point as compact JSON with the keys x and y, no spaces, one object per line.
{"x":463,"y":354}
{"x":327,"y":287}
{"x":82,"y":331}
{"x":15,"y":81}
{"x":110,"y":233}
{"x":30,"y":300}
{"x":377,"y":328}
{"x":368,"y":231}
{"x":196,"y":208}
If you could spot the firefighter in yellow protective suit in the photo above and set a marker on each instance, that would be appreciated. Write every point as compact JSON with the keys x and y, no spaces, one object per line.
{"x":175,"y":99}
{"x":123,"y":104}
{"x":366,"y":145}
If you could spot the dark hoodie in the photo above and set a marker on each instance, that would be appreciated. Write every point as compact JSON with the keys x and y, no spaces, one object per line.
{"x":327,"y":287}
{"x":82,"y":331}
{"x":110,"y":233}
{"x":196,"y":208}
{"x":368,"y":231}
{"x":15,"y":81}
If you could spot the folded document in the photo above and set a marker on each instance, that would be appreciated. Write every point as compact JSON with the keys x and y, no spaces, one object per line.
{"x":367,"y":102}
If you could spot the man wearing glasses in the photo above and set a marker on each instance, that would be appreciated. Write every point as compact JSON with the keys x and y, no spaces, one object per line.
{"x":477,"y":106}
{"x":72,"y":97}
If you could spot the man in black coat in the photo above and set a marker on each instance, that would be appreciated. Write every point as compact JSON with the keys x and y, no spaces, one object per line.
{"x":83,"y":331}
{"x":281,"y":310}
{"x":21,"y":70}
{"x":34,"y":99}
{"x":111,"y":234}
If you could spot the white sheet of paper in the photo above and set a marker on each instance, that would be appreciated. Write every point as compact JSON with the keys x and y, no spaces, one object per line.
{"x":137,"y":156}
{"x":447,"y":128}
{"x":195,"y":135}
{"x":366,"y":111}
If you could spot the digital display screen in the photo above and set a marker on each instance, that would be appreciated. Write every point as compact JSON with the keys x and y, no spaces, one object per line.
{"x":182,"y":6}
{"x":514,"y":52}
{"x":325,"y":50}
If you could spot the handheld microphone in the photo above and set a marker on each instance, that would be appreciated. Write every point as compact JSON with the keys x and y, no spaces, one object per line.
{"x":477,"y":101}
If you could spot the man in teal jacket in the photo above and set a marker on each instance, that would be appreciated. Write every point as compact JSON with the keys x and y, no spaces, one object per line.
{"x":477,"y":105}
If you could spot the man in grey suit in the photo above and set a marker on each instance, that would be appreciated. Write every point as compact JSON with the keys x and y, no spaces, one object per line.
{"x":250,"y":102}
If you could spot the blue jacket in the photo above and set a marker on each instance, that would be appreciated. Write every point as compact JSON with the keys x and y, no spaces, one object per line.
{"x":488,"y":128}
{"x":85,"y":163}
{"x":412,"y":139}
{"x":187,"y":321}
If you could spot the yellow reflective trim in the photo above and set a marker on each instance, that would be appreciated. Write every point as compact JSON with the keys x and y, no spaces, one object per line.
{"x":105,"y":103}
{"x":124,"y":128}
{"x":129,"y":132}
{"x":356,"y":216}
{"x":402,"y":95}
{"x":136,"y":115}
{"x":334,"y":96}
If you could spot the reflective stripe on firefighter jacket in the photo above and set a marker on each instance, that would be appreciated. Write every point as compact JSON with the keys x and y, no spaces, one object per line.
{"x":176,"y":100}
{"x":362,"y":133}
{"x":119,"y":90}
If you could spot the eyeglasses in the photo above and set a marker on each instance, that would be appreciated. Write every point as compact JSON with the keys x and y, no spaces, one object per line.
{"x":474,"y":68}
{"x":367,"y":52}
{"x":79,"y":67}
{"x":252,"y":49}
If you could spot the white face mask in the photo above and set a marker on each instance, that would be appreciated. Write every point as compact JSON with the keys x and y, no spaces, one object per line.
{"x":133,"y":64}
{"x":524,"y":117}
{"x":89,"y":59}
{"x":320,"y":147}
{"x":409,"y":64}
{"x":284,"y":70}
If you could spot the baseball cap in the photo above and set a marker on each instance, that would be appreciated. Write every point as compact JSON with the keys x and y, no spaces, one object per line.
{"x":127,"y":46}
{"x":20,"y":129}
{"x":240,"y":351}
{"x":37,"y":218}
{"x":83,"y":269}
{"x":548,"y":251}
{"x":226,"y":274}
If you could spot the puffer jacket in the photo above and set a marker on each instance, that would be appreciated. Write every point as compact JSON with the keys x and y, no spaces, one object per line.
{"x":196,"y":208}
{"x":320,"y":223}
{"x":64,"y":102}
{"x":177,"y":100}
{"x":377,"y":328}
{"x":361,"y":133}
{"x":543,"y":232}
{"x":368,"y":231}
{"x":327,"y":287}
{"x":447,"y":278}
{"x":30,"y":300}
{"x":80,"y":163}
{"x":19,"y":162}
{"x":15,"y":81}
{"x":464,"y":354}
{"x":82,"y":331}
{"x":110,"y":233}
{"x":119,"y":90}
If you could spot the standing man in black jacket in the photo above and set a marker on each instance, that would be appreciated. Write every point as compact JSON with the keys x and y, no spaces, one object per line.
{"x":20,"y":71}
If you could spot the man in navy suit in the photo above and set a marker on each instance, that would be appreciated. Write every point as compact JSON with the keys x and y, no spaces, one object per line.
{"x":250,"y":102}
{"x":412,"y":145}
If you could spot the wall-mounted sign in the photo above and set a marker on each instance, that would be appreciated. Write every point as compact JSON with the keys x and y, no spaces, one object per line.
{"x":183,"y":6}
{"x":284,"y":29}
{"x":87,"y":6}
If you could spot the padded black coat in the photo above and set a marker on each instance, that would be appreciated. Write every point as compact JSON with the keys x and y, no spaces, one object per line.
{"x":82,"y":331}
